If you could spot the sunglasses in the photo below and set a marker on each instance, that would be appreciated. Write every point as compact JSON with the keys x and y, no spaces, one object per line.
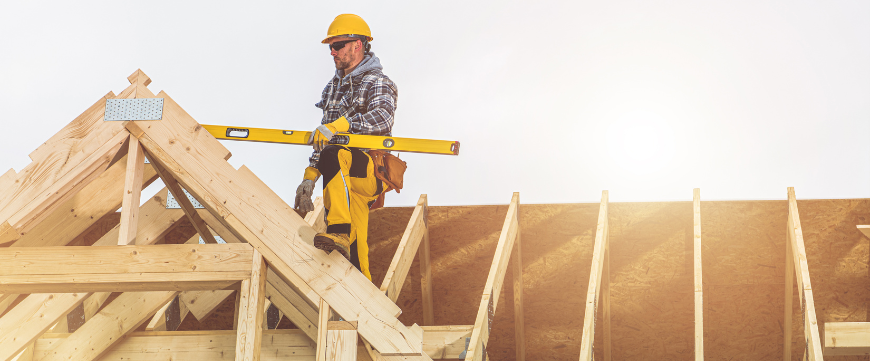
{"x":338,"y":45}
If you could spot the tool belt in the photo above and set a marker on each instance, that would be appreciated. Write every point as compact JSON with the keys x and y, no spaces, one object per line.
{"x":390,"y":170}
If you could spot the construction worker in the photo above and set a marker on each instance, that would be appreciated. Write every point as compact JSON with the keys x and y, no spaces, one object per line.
{"x":359,"y":99}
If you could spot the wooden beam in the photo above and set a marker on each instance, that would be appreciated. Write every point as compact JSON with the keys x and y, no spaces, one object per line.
{"x":120,"y":317}
{"x":84,"y":209}
{"x":865,"y":229}
{"x":123,"y":268}
{"x":322,"y":328}
{"x":599,"y":251}
{"x":440,"y":342}
{"x":699,"y":283}
{"x":155,"y":222}
{"x":186,"y":206}
{"x":31,"y":318}
{"x":246,"y":206}
{"x":6,"y":301}
{"x":802,"y":276}
{"x":847,"y":338}
{"x":494,"y":282}
{"x":519,"y":320}
{"x":426,"y":271}
{"x":401,"y":263}
{"x":25,"y":208}
{"x":341,"y":339}
{"x":253,"y":295}
{"x":315,"y":218}
{"x":789,"y":296}
{"x":132,"y":192}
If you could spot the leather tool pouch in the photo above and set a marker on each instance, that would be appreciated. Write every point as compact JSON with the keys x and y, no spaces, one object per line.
{"x":390,"y":170}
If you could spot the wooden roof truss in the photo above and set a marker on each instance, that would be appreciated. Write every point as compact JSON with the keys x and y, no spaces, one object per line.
{"x":92,"y":167}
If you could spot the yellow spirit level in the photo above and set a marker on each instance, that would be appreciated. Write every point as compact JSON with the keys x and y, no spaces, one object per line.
{"x":412,"y":145}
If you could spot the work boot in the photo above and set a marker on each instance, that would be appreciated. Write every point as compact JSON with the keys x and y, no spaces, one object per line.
{"x":329,"y":242}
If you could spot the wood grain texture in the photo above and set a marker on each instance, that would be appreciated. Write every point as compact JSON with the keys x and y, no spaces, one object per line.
{"x":110,"y":325}
{"x":594,"y":290}
{"x":494,"y":282}
{"x":132,"y":191}
{"x":408,"y":246}
{"x":698,"y":280}
{"x":31,"y":318}
{"x":251,"y":312}
{"x":181,"y":146}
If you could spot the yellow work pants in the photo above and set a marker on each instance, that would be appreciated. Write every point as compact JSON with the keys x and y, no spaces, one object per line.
{"x":349,"y":189}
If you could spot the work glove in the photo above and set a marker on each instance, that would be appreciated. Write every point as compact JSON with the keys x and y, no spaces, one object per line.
{"x":305,"y":190}
{"x":321,"y":136}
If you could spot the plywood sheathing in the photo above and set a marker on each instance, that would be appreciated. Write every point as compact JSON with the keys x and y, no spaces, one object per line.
{"x":651,"y":271}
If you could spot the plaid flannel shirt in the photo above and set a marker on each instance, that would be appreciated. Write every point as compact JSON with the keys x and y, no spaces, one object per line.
{"x":368,"y":101}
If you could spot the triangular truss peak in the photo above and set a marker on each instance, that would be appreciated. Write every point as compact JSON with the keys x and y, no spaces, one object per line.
{"x":266,"y":258}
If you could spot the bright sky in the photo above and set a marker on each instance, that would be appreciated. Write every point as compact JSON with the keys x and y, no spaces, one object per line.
{"x":555,"y":99}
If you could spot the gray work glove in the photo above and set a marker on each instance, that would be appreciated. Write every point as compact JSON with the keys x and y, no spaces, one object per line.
{"x":303,"y":202}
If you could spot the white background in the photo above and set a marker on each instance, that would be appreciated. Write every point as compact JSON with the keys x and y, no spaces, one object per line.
{"x":555,"y":99}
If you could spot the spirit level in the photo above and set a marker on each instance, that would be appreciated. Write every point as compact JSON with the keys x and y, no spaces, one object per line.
{"x":412,"y":145}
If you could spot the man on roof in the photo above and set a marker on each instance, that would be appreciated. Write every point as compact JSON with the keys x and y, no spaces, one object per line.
{"x":359,"y":99}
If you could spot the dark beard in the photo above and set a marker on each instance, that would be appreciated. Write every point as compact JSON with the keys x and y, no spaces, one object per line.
{"x":341,"y":65}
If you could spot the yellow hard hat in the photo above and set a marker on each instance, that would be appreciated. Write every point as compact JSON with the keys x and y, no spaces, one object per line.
{"x":348,"y":24}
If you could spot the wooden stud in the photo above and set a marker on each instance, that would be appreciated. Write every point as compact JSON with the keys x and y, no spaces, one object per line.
{"x":847,"y":338}
{"x":322,"y":330}
{"x":32,"y":317}
{"x":123,"y":268}
{"x":426,"y":270}
{"x":494,"y":282}
{"x":120,"y":317}
{"x":251,"y":312}
{"x":315,"y":218}
{"x":592,"y":294}
{"x":132,"y":191}
{"x":699,"y":285}
{"x":84,"y":209}
{"x":789,"y":297}
{"x":401,"y":263}
{"x":802,"y":276}
{"x":186,"y":206}
{"x":342,"y":343}
{"x":605,"y":303}
{"x":519,"y":321}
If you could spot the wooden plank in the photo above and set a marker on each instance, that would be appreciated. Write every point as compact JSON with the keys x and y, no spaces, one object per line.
{"x":699,"y":284}
{"x":155,"y":221}
{"x":175,"y":267}
{"x":186,"y":206}
{"x":120,"y":317}
{"x":802,"y":273}
{"x":250,"y":330}
{"x":132,"y":191}
{"x":789,"y":297}
{"x":519,"y":320}
{"x":401,"y":263}
{"x":847,"y":338}
{"x":605,"y":303}
{"x":278,"y":345}
{"x":246,"y":207}
{"x":441,"y":342}
{"x":6,"y":301}
{"x":291,"y":312}
{"x":494,"y":282}
{"x":31,"y":318}
{"x":36,"y":202}
{"x":315,"y":218}
{"x":426,"y":270}
{"x":322,"y":331}
{"x":94,"y":201}
{"x":592,"y":294}
{"x":865,"y":229}
{"x":342,"y":345}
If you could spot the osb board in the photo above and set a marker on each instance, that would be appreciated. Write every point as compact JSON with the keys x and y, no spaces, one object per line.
{"x":651,"y":274}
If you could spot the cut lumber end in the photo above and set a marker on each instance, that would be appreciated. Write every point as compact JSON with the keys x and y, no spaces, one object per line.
{"x":139,"y":76}
{"x":865,"y":229}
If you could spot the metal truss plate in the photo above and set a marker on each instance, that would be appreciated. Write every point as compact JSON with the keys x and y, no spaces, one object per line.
{"x":216,"y":238}
{"x":171,"y":203}
{"x":134,"y":109}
